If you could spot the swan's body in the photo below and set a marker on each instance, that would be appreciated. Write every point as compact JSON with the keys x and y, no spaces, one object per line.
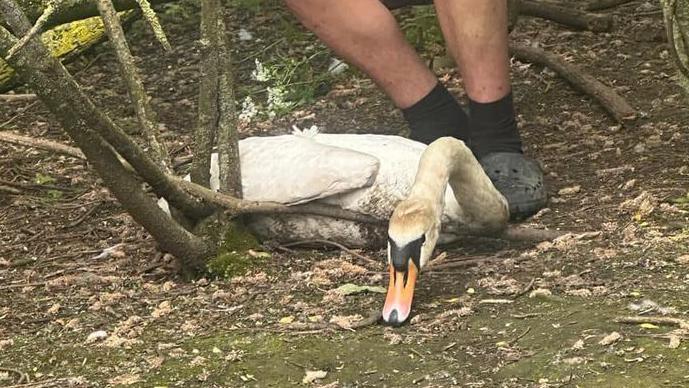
{"x":365,"y":174}
{"x":430,"y":194}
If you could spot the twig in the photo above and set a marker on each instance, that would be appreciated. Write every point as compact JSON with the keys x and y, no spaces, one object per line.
{"x":23,"y":377}
{"x":135,"y":86}
{"x":681,"y":323}
{"x":335,"y":244}
{"x":597,"y":5}
{"x":83,"y":217}
{"x":17,"y":97}
{"x":55,"y":383}
{"x":568,"y":16}
{"x":372,"y":318}
{"x":526,"y":289}
{"x":9,"y":137}
{"x":152,"y":19}
{"x":520,"y":336}
{"x":495,"y":301}
{"x":615,"y":104}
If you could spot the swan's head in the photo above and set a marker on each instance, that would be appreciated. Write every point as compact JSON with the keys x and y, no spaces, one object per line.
{"x":412,"y":235}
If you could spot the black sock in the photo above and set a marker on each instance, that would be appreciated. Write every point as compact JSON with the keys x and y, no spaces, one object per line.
{"x":437,"y":115}
{"x":493,"y":127}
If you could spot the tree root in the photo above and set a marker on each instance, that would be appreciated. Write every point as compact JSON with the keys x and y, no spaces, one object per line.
{"x":612,"y":102}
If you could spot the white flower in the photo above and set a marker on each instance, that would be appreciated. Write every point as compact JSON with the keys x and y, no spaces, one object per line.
{"x":276,"y":101}
{"x":260,"y":74}
{"x":248,"y":110}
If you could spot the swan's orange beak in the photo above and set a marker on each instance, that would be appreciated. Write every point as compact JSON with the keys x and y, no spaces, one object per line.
{"x":400,"y":294}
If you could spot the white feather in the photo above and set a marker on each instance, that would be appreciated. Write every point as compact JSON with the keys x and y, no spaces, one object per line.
{"x":367,"y":174}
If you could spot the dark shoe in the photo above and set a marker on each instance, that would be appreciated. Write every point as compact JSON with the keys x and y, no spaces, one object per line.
{"x":519,"y":179}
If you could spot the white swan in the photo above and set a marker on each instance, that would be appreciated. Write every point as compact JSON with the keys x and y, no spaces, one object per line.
{"x":387,"y":177}
{"x":366,"y":174}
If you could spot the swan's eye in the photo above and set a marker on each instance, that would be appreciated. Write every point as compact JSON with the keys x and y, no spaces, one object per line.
{"x":423,"y":240}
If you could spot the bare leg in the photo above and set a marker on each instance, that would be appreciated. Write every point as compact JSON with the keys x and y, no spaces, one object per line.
{"x":476,"y":34}
{"x":366,"y":35}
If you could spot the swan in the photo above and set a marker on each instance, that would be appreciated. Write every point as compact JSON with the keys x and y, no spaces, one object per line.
{"x":431,"y":195}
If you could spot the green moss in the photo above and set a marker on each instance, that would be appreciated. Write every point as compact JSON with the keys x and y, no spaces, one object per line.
{"x":234,"y":241}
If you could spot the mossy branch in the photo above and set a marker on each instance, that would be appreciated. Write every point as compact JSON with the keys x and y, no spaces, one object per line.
{"x":135,"y":85}
{"x":152,"y":19}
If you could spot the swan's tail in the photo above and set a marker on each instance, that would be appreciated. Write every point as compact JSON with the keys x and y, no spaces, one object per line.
{"x":309,"y":133}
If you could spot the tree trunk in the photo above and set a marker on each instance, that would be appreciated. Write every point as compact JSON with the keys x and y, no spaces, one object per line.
{"x":55,"y":87}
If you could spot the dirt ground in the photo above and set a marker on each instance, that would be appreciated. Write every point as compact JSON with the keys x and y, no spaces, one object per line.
{"x":85,"y":295}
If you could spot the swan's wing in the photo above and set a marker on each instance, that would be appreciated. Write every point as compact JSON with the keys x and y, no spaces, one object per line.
{"x":295,"y":169}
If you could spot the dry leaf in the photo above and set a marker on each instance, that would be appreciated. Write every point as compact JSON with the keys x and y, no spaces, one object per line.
{"x":610,"y":338}
{"x":313,"y":375}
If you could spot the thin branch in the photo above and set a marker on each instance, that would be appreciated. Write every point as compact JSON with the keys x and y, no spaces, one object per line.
{"x":365,"y":259}
{"x":37,"y":28}
{"x":208,"y":115}
{"x":228,"y":138}
{"x":152,"y":19}
{"x":681,"y":323}
{"x":17,"y":97}
{"x":13,"y":138}
{"x":237,"y":206}
{"x":137,"y":93}
{"x":80,"y":105}
{"x":615,"y":104}
{"x":45,"y":75}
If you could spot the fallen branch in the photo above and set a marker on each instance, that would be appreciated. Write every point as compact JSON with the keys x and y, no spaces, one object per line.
{"x":597,"y":5}
{"x":681,"y":323}
{"x":615,"y":104}
{"x":13,"y":138}
{"x":238,"y":206}
{"x":17,"y":97}
{"x":567,"y":16}
{"x":7,"y":190}
{"x":55,"y":383}
{"x":368,"y":260}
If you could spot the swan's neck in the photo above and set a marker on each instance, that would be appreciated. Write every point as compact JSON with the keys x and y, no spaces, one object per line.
{"x":448,"y":160}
